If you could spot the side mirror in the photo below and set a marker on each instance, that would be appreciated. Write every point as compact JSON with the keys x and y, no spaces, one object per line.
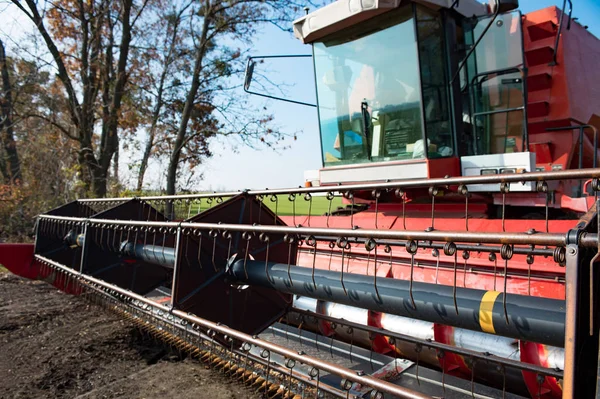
{"x":250,"y":73}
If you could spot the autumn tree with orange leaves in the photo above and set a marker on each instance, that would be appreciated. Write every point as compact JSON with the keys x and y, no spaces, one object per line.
{"x":90,"y":42}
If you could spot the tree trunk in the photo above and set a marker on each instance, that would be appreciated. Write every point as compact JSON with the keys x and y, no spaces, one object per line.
{"x":189,"y":104}
{"x":159,"y":103}
{"x":145,"y":158}
{"x":111,"y":140}
{"x":12,"y":165}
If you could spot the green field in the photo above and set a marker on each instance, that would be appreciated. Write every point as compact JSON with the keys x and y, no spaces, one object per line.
{"x":284,"y":207}
{"x":320,"y":205}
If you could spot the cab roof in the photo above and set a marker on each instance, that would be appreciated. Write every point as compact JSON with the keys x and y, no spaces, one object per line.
{"x":344,"y":13}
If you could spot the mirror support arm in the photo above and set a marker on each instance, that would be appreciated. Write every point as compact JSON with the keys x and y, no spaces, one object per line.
{"x":250,"y":70}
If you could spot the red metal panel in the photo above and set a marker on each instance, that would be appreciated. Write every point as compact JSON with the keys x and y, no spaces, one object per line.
{"x":18,"y":258}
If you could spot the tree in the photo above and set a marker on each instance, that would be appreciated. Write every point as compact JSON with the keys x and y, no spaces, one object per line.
{"x":165,"y":49}
{"x":209,"y":100}
{"x":81,"y":39}
{"x":10,"y":165}
{"x":48,"y":165}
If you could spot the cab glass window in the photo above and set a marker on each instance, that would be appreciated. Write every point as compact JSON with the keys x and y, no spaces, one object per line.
{"x":369,"y":94}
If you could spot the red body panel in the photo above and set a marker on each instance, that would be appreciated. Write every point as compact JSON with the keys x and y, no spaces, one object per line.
{"x":18,"y":258}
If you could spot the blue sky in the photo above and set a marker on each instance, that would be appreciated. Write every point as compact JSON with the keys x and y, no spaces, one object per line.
{"x":260,"y":168}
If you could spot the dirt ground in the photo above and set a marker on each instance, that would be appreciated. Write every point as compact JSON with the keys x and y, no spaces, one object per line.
{"x":57,"y":346}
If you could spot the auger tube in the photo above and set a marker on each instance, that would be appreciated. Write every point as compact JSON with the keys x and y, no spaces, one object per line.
{"x":530,"y":318}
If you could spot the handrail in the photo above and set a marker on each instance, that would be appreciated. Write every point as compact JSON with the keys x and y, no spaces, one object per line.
{"x":557,"y":40}
{"x":472,"y":49}
{"x":581,"y":134}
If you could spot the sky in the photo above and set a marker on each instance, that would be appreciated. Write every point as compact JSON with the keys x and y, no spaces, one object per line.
{"x":236,"y":166}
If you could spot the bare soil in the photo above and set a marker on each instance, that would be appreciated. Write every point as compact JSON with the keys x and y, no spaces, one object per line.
{"x":53,"y":345}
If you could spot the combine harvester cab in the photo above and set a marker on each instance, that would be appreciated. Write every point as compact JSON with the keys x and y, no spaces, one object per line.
{"x":464,"y":263}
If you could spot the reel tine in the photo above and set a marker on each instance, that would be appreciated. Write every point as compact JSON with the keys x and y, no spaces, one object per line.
{"x":451,"y":250}
{"x":289,"y":239}
{"x":330,"y":198}
{"x":493,"y":258}
{"x":462,"y":189}
{"x":246,"y":236}
{"x":198,"y":233}
{"x":308,"y":197}
{"x":333,"y":327}
{"x":401,"y":195}
{"x":542,"y":187}
{"x":292,"y":199}
{"x":290,"y":364}
{"x":186,"y":232}
{"x":315,"y":321}
{"x":371,"y":245}
{"x":342,"y":243}
{"x":350,"y":331}
{"x":350,"y":195}
{"x":411,"y":248}
{"x":246,"y":347}
{"x":375,"y":274}
{"x":506,"y":252}
{"x":275,"y":199}
{"x":466,"y":255}
{"x":436,"y":254}
{"x":315,"y":373}
{"x":433,"y":191}
{"x":312,"y":242}
{"x":530,"y":260}
{"x":265,"y":238}
{"x":504,"y":188}
{"x":267,"y":374}
{"x":331,"y":246}
{"x":213,"y":234}
{"x":368,"y":261}
{"x":227,"y":235}
{"x":376,"y":194}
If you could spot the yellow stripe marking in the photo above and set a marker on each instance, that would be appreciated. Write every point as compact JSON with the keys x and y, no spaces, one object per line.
{"x":485,"y":311}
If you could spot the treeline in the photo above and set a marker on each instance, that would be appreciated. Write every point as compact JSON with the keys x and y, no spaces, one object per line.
{"x":156,"y":78}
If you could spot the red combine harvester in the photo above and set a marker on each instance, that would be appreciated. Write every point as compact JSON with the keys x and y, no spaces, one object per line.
{"x":463,"y":139}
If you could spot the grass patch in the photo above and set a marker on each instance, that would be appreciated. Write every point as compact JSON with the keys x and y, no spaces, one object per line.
{"x":318,"y":205}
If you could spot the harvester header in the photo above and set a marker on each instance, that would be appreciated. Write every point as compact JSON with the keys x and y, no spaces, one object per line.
{"x":462,"y":262}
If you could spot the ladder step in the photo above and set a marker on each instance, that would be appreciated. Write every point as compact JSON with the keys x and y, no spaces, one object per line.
{"x":538,"y":109}
{"x":542,"y":30}
{"x":539,"y":56}
{"x":539,"y":81}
